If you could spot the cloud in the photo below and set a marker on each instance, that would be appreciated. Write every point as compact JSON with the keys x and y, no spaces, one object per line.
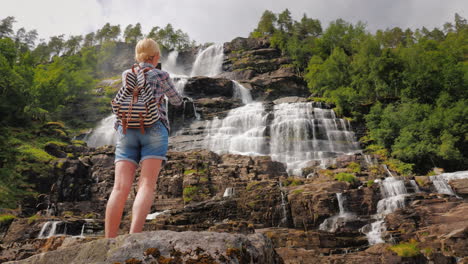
{"x":222,"y":20}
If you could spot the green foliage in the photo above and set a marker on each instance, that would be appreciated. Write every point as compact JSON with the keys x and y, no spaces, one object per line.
{"x":291,"y":181}
{"x":354,"y":167}
{"x":6,"y":218}
{"x":194,"y":193}
{"x":298,"y":191}
{"x":369,"y":183}
{"x":33,"y":219}
{"x":399,"y":166}
{"x":252,"y":185}
{"x":406,"y":249}
{"x":171,"y":39}
{"x":347,"y":177}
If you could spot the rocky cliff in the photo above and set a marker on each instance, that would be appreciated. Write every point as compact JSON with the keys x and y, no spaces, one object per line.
{"x":230,"y":208}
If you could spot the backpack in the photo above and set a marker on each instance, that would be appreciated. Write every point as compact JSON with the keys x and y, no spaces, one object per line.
{"x":135,"y":105}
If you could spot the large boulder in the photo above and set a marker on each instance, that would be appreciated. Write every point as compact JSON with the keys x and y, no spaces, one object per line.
{"x":165,"y":247}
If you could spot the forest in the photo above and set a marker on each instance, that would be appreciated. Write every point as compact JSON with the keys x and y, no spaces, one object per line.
{"x":409,"y":87}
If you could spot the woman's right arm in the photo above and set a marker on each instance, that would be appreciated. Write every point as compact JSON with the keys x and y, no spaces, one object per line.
{"x":169,"y":89}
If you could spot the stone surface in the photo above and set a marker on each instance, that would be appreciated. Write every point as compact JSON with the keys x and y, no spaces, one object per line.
{"x":176,"y":247}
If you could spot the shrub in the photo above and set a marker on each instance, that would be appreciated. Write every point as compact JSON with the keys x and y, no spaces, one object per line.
{"x":347,"y":177}
{"x":354,"y":167}
{"x":400,"y":167}
{"x":406,"y":249}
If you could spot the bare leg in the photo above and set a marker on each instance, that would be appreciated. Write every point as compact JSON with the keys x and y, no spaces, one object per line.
{"x":124,"y":175}
{"x":145,"y":195}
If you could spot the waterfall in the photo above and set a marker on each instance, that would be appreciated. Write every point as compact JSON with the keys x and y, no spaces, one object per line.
{"x":301,"y":132}
{"x":415,"y":186}
{"x":170,"y":64}
{"x":103,"y":134}
{"x":209,"y":61}
{"x":179,"y":82}
{"x":229,"y":192}
{"x":331,"y":224}
{"x":242,"y":93}
{"x":241,"y":132}
{"x":156,"y":214}
{"x":394,"y":193}
{"x":441,"y":181}
{"x":48,"y":229}
{"x":82,"y":230}
{"x":284,"y":219}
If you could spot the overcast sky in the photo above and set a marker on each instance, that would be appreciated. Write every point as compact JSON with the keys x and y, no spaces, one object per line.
{"x":221,"y":20}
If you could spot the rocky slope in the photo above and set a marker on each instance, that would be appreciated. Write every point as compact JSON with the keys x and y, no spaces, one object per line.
{"x":239,"y":209}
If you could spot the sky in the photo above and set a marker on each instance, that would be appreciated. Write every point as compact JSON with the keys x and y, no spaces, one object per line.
{"x":221,"y":20}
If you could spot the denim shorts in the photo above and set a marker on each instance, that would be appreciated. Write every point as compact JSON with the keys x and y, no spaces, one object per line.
{"x":136,"y":147}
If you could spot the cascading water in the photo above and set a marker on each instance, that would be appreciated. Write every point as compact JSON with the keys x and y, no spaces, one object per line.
{"x":441,"y":181}
{"x":103,"y":134}
{"x":394,"y":192}
{"x":331,"y":224}
{"x":48,"y":229}
{"x":301,"y":132}
{"x":209,"y":61}
{"x":242,"y":93}
{"x":241,"y":132}
{"x":229,"y":192}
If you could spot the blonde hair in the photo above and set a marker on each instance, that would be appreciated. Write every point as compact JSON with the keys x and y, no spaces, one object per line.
{"x":145,"y":49}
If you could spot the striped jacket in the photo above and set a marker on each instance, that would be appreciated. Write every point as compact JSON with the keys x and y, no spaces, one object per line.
{"x":162,"y":86}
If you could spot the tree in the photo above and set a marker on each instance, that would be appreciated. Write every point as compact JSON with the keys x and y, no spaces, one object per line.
{"x":56,"y":44}
{"x":307,"y":27}
{"x":89,"y":40}
{"x":133,"y":33}
{"x":266,"y":25}
{"x":73,"y":44}
{"x":6,"y":27}
{"x":285,"y":22}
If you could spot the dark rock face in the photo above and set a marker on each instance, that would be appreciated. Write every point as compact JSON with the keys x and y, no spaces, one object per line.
{"x":262,"y":69}
{"x":201,"y":86}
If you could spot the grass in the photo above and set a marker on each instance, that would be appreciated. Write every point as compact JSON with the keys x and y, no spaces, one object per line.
{"x":298,"y":191}
{"x":347,"y":177}
{"x":6,"y":218}
{"x":291,"y":181}
{"x":190,"y":192}
{"x":252,"y":185}
{"x":406,"y":249}
{"x":369,"y":183}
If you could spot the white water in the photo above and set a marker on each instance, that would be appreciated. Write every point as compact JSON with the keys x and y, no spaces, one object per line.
{"x":242,"y":93}
{"x":229,"y":192}
{"x":209,"y":61}
{"x":48,"y":229}
{"x":156,"y":214}
{"x":331,"y":224}
{"x":441,"y":181}
{"x":415,"y":186}
{"x":301,"y":132}
{"x":284,"y":219}
{"x":241,"y":132}
{"x":394,"y":193}
{"x":103,"y":134}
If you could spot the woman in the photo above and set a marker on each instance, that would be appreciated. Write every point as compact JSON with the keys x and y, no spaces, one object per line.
{"x":135,"y":148}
